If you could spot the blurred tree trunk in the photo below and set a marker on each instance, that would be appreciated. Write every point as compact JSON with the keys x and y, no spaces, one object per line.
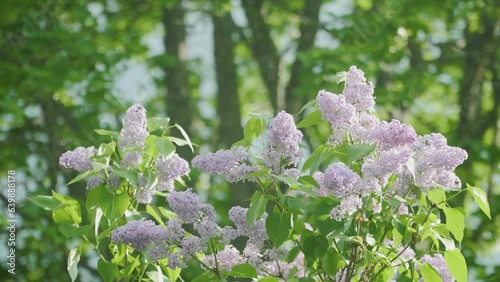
{"x":308,"y":30}
{"x":479,"y":52}
{"x":228,"y":103}
{"x":263,"y":48}
{"x":176,"y":75}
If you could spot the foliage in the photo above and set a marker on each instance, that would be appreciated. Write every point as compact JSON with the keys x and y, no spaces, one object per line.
{"x":348,"y":223}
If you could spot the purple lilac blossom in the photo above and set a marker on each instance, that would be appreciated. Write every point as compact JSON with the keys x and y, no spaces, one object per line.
{"x":207,"y":229}
{"x":226,"y":258}
{"x":134,"y":132}
{"x":435,"y":162}
{"x":357,"y":91}
{"x":347,"y":207}
{"x":185,"y":204}
{"x":385,"y":164}
{"x":192,"y":245}
{"x":143,"y":194}
{"x":284,"y":139}
{"x":439,"y":263}
{"x":393,"y":134}
{"x":340,"y":114}
{"x":169,"y":169}
{"x":143,"y":234}
{"x":230,"y":163}
{"x":256,"y":234}
{"x":94,"y":181}
{"x":78,"y":159}
{"x":338,"y":180}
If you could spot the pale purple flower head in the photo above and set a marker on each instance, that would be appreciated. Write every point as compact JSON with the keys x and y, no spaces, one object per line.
{"x":340,"y":114}
{"x":185,"y":204}
{"x":386,"y":163}
{"x":169,"y":169}
{"x":256,"y":234}
{"x":347,"y":207}
{"x":435,"y":162}
{"x":78,"y":159}
{"x":192,"y":245}
{"x":439,"y":263}
{"x":339,"y":180}
{"x":134,"y":132}
{"x":230,"y":163}
{"x":393,"y":134}
{"x":207,"y":229}
{"x":358,"y":92}
{"x":284,"y":137}
{"x":94,"y":181}
{"x":226,"y":258}
{"x":143,"y":194}
{"x":142,"y":234}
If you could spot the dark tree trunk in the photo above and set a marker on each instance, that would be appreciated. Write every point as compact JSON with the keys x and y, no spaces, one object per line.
{"x":228,"y":102}
{"x":308,"y":30}
{"x":176,"y":74}
{"x":263,"y":48}
{"x":479,"y":53}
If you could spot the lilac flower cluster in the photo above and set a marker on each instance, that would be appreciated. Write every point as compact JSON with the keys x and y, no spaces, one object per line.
{"x":393,"y":134}
{"x":78,"y":159}
{"x":143,"y":194}
{"x":357,"y":92}
{"x":145,"y":235}
{"x":256,"y":234}
{"x":338,"y":112}
{"x":169,"y":169}
{"x":439,"y":263}
{"x":134,"y":132}
{"x":435,"y":162}
{"x":338,"y":180}
{"x":284,"y":141}
{"x":230,"y":163}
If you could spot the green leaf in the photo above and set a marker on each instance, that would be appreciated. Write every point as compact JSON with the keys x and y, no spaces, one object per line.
{"x":278,"y":227}
{"x":456,"y":264}
{"x":310,"y":104}
{"x":254,"y":128}
{"x":313,"y":118}
{"x":105,"y":132}
{"x":131,"y":175}
{"x":337,"y":78}
{"x":245,"y":270}
{"x":269,"y":279}
{"x":164,"y":146}
{"x":81,"y":176}
{"x":107,"y":270}
{"x":46,"y":202}
{"x":330,"y":262}
{"x":429,"y":273}
{"x":70,"y":214}
{"x":206,"y":277}
{"x":307,"y":179}
{"x":151,"y":211}
{"x":112,"y":205}
{"x":358,"y":151}
{"x":156,"y":123}
{"x":436,"y":196}
{"x":480,"y":198}
{"x":313,"y":162}
{"x":257,"y":207}
{"x":70,"y":230}
{"x":186,"y":136}
{"x":73,"y":259}
{"x":64,"y":199}
{"x":455,"y":222}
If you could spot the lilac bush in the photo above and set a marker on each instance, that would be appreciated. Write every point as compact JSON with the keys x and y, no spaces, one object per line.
{"x":370,"y":204}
